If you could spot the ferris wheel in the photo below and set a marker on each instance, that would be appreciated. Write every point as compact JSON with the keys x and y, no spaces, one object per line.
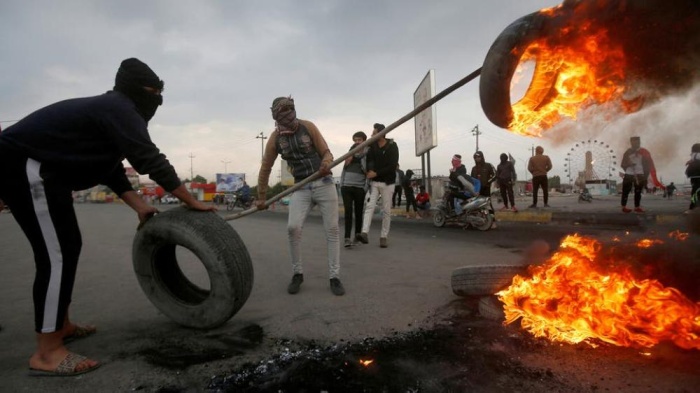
{"x":590,"y":160}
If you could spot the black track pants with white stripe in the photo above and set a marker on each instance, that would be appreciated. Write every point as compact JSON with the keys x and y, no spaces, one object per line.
{"x":45,"y":213}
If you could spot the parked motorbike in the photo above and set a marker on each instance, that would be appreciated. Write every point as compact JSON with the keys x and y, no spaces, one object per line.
{"x":585,"y":196}
{"x":472,"y":212}
{"x":236,"y":201}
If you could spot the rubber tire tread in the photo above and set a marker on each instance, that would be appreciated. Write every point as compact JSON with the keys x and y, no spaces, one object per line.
{"x":491,"y":308}
{"x":484,"y":280}
{"x":220,"y":249}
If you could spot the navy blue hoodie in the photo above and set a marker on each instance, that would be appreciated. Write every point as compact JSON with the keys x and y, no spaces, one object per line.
{"x":82,"y":143}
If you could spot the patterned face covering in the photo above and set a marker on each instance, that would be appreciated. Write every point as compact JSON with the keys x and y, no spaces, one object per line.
{"x":285,"y":115}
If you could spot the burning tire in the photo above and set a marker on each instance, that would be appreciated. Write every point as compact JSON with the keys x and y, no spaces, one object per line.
{"x":501,"y":62}
{"x":219,"y":248}
{"x":491,"y":308}
{"x":484,"y":280}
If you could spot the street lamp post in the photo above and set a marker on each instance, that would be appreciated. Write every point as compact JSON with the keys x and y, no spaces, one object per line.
{"x":225,"y":165}
{"x":476,"y":132}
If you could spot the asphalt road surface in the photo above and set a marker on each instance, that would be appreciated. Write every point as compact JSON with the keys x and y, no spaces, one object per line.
{"x":397,"y":289}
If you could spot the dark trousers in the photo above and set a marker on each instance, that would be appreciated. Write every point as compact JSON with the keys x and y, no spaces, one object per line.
{"x":410,"y":199}
{"x":353,"y":201}
{"x":537,"y":182}
{"x":507,"y":193}
{"x":396,"y":197}
{"x":694,"y":193}
{"x":638,"y":182}
{"x":44,"y":211}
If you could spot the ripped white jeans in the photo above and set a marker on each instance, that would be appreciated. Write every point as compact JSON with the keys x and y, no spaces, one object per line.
{"x":323,"y":193}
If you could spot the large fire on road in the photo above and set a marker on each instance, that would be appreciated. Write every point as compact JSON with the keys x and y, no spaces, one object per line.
{"x":589,"y":291}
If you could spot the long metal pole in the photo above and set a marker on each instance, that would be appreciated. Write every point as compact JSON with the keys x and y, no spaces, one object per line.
{"x":362,"y":145}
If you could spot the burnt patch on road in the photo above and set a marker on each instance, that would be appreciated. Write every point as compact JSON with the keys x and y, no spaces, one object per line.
{"x":178,"y":353}
{"x":464,"y":353}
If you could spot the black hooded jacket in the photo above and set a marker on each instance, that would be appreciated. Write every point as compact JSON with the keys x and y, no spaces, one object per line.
{"x":82,"y":142}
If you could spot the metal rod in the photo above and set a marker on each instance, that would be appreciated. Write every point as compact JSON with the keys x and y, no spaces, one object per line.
{"x":361,"y":146}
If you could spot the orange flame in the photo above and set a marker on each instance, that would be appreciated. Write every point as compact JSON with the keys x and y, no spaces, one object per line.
{"x":367,"y":362}
{"x":678,"y":235}
{"x":568,"y":299}
{"x":568,"y":79}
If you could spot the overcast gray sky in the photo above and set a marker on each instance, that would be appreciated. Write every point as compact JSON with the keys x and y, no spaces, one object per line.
{"x":347,"y":64}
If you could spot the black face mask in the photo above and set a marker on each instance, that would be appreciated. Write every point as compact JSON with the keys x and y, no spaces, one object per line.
{"x":146,"y":103}
{"x":132,"y":76}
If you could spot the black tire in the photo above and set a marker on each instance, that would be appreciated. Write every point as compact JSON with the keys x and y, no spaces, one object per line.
{"x":216,"y":244}
{"x":501,"y":62}
{"x":491,"y":308}
{"x":439,"y":218}
{"x":487,"y":221}
{"x":484,"y":280}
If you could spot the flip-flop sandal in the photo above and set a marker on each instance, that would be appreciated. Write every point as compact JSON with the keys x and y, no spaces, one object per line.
{"x":81,"y":331}
{"x":66,"y":368}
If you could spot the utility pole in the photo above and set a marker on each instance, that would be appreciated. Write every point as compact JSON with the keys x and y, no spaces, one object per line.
{"x":532,"y":150}
{"x":262,"y":138}
{"x":225,"y":165}
{"x":476,"y":132}
{"x":191,"y":171}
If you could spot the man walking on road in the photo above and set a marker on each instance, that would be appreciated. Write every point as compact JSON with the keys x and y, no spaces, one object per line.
{"x":301,"y":144}
{"x":539,"y":165}
{"x":382,"y":161}
{"x":638,"y":166}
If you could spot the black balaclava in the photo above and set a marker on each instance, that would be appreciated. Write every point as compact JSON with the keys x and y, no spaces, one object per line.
{"x":133,"y":75}
{"x":504,"y":158}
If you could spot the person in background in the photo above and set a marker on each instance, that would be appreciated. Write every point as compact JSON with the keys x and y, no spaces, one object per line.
{"x":244,"y":193}
{"x":670,"y":189}
{"x":408,"y":192}
{"x":485,"y":173}
{"x":505,"y":175}
{"x":398,"y":181}
{"x":539,"y":165}
{"x":382,"y":161}
{"x":353,"y":186}
{"x":693,"y":173}
{"x":301,"y":145}
{"x":68,"y":146}
{"x":460,"y":183}
{"x":639,"y":168}
{"x":422,"y":202}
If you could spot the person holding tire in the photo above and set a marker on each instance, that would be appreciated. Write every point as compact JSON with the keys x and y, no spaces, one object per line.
{"x":74,"y":145}
{"x":301,"y":145}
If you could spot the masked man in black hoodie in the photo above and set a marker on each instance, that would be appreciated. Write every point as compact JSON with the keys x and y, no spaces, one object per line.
{"x":74,"y":145}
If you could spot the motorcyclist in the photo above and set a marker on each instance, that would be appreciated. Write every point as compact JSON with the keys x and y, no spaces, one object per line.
{"x":461,"y":186}
{"x":244,"y":194}
{"x":585,"y":195}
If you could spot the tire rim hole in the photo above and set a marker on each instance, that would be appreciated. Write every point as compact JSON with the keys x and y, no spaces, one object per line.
{"x":182,"y":273}
{"x":521,"y":80}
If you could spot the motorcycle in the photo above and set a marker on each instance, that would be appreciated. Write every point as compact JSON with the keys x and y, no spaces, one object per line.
{"x":236,"y":201}
{"x":474,"y":212}
{"x":585,"y":196}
